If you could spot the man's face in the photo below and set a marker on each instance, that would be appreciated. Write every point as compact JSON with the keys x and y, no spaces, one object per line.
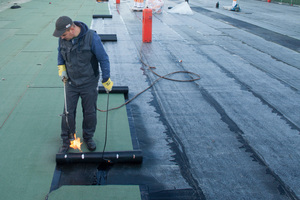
{"x":68,"y":35}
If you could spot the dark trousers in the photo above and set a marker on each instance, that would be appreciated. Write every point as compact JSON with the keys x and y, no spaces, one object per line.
{"x":88,"y":95}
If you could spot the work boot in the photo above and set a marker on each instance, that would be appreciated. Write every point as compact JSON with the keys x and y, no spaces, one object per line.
{"x":71,"y":136}
{"x":65,"y":147}
{"x":91,"y":145}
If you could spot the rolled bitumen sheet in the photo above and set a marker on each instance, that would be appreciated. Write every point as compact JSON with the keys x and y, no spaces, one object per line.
{"x":108,"y":37}
{"x":102,"y":16}
{"x":134,"y":156}
{"x":115,"y":89}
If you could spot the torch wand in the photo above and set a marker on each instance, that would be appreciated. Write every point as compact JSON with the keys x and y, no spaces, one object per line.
{"x":70,"y":135}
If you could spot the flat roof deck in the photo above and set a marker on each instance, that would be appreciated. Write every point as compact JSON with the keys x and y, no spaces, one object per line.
{"x":233,"y":134}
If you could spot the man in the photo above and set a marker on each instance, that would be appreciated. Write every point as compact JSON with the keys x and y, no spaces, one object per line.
{"x":79,"y":52}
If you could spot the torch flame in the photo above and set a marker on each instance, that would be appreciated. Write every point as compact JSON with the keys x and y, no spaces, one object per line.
{"x":76,"y":144}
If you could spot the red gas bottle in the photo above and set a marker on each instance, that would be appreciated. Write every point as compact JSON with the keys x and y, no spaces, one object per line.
{"x":147,"y":25}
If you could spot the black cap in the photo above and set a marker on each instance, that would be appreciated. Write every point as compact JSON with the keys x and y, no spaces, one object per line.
{"x":61,"y":25}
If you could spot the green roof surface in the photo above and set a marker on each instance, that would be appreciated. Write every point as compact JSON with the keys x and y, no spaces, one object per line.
{"x":32,"y":100}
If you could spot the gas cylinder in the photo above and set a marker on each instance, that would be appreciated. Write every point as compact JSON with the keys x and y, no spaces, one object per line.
{"x":147,"y":25}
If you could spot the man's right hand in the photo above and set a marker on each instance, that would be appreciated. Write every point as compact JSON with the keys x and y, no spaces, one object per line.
{"x":108,"y":85}
{"x":62,"y":72}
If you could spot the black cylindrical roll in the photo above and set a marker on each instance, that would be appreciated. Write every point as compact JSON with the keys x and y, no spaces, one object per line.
{"x":108,"y":37}
{"x":115,"y":89}
{"x":102,"y":16}
{"x":134,"y":156}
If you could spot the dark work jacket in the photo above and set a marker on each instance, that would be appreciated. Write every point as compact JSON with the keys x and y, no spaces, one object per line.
{"x":81,"y":56}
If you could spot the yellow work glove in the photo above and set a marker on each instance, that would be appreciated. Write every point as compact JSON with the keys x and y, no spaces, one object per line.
{"x":62,"y":72}
{"x":108,"y":85}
